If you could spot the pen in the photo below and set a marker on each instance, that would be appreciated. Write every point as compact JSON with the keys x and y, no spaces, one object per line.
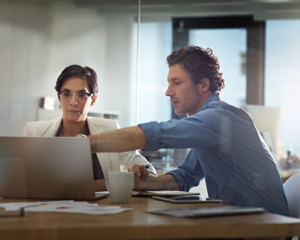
{"x":146,"y":166}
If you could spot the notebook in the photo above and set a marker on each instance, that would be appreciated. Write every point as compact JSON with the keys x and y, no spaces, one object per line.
{"x":47,"y":168}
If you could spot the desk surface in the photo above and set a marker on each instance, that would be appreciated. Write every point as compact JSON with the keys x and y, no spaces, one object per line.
{"x":137,"y":224}
{"x":285,"y":175}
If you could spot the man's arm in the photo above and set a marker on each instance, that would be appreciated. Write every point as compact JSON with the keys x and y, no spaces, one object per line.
{"x":143,"y":182}
{"x":120,"y":140}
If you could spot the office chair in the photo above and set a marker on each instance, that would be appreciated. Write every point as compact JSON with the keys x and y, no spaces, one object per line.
{"x":292,"y":192}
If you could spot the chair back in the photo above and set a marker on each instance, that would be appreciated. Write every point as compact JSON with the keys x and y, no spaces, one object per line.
{"x":292,"y":192}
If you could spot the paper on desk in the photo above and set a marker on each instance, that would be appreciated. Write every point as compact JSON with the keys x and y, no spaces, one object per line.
{"x":69,"y":206}
{"x":17,"y":205}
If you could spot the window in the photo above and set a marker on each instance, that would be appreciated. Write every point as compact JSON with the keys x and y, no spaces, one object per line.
{"x":282,"y":79}
{"x":229,"y":46}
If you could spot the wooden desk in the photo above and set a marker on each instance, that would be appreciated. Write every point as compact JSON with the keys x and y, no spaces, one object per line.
{"x":285,"y":175}
{"x":137,"y":224}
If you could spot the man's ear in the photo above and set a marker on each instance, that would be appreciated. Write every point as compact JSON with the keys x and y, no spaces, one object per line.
{"x":94,"y":98}
{"x":204,"y":84}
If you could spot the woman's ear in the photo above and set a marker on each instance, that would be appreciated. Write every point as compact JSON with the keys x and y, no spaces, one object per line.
{"x":58,"y":98}
{"x":94,"y":98}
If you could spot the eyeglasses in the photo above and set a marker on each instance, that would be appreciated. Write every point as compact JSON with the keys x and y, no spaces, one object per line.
{"x":81,"y":96}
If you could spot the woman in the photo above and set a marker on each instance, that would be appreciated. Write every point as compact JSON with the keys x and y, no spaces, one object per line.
{"x":76,"y":91}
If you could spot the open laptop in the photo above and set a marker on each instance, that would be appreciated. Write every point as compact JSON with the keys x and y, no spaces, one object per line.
{"x":47,"y":168}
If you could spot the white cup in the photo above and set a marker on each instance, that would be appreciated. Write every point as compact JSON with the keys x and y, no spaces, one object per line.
{"x":120,"y":186}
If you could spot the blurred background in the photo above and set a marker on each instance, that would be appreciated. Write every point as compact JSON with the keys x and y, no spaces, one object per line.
{"x":256,"y":41}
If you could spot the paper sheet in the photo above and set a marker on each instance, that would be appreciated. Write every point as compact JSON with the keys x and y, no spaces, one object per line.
{"x":68,"y":206}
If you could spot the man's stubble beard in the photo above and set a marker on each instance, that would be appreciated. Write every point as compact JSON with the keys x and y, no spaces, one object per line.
{"x":191,"y":103}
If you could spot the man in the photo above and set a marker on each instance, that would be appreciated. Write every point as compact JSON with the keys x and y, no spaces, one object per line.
{"x":226,"y":148}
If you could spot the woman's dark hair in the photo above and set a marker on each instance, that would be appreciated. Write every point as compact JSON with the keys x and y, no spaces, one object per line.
{"x":86,"y":73}
{"x":199,"y":63}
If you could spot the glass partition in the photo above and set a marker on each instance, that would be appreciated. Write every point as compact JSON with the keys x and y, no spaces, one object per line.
{"x":155,"y":46}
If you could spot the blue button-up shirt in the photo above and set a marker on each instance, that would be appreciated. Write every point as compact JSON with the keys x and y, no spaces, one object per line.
{"x":226,"y":150}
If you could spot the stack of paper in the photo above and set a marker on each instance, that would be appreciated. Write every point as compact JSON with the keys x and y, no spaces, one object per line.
{"x":68,"y":206}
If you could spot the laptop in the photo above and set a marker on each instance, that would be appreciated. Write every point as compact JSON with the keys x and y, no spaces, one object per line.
{"x":47,"y":168}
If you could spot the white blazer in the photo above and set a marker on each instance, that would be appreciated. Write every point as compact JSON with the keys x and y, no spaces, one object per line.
{"x":109,"y":161}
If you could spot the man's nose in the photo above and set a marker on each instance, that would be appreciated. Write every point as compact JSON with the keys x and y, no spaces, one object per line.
{"x":74,"y":100}
{"x":169,"y":92}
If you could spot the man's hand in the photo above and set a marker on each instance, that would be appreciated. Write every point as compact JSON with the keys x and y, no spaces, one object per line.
{"x":141,"y":177}
{"x":142,"y":181}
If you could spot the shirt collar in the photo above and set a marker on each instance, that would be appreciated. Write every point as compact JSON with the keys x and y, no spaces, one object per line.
{"x":213,"y":97}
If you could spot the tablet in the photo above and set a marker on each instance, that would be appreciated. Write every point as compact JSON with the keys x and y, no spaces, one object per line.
{"x":167,"y":194}
{"x":188,"y":199}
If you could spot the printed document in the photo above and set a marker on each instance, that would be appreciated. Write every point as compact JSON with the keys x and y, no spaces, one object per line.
{"x":68,"y":206}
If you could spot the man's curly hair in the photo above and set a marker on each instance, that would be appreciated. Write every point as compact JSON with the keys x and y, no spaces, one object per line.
{"x":199,"y":63}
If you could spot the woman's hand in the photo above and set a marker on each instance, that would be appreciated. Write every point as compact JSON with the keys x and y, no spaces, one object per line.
{"x":99,"y":185}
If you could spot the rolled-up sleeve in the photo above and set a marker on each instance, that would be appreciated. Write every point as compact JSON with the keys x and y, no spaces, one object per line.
{"x":198,"y":130}
{"x":152,"y":132}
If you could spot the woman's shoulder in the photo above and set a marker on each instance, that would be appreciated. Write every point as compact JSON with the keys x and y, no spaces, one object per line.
{"x":104,"y":124}
{"x":39,"y":128}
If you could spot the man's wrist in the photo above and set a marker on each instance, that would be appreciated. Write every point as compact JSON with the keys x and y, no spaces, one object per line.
{"x":153,"y":184}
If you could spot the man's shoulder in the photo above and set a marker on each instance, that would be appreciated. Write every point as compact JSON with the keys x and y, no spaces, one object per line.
{"x":218,"y":110}
{"x":226,"y":107}
{"x":220,"y":104}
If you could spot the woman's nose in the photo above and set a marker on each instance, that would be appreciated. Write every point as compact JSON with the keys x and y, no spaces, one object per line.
{"x":74,"y":100}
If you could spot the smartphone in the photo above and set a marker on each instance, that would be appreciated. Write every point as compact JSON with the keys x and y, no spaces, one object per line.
{"x":188,"y":199}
